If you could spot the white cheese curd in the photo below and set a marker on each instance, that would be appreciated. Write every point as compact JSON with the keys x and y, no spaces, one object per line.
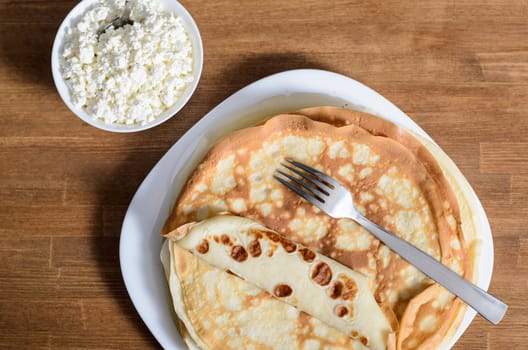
{"x":130,"y":75}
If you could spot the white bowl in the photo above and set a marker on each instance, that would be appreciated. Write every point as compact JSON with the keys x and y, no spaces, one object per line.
{"x":64,"y":92}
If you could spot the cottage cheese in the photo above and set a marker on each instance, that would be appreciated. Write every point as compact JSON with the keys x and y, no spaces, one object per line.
{"x":130,"y":75}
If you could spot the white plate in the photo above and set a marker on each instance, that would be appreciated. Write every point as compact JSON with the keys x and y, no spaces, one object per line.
{"x":283,"y":92}
{"x":64,"y":91}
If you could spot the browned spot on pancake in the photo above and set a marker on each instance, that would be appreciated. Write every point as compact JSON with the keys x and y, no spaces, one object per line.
{"x":288,"y":245}
{"x":203,"y":247}
{"x":254,"y":248}
{"x":238,"y":253}
{"x":322,"y":273}
{"x":349,"y":283}
{"x":270,"y":253}
{"x":354,"y":334}
{"x":335,"y":290}
{"x":350,"y":289}
{"x":307,"y":254}
{"x":304,"y":322}
{"x":225,"y":239}
{"x":273,"y":236}
{"x":363,"y":340}
{"x":230,"y":272}
{"x":353,"y":259}
{"x":341,"y":311}
{"x":216,"y":239}
{"x":256,"y":233}
{"x":282,"y":290}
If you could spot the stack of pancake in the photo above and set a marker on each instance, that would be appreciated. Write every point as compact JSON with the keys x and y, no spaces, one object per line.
{"x":398,"y":180}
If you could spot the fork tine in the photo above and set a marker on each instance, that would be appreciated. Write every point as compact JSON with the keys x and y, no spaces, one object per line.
{"x":321,"y":185}
{"x":315,"y":172}
{"x":314,"y":190}
{"x":308,"y":197}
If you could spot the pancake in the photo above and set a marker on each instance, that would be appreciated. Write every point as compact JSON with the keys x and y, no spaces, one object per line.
{"x":395,"y":180}
{"x":315,"y":284}
{"x":219,"y":310}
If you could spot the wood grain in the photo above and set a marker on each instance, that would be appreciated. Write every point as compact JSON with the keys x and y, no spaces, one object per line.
{"x":459,"y":68}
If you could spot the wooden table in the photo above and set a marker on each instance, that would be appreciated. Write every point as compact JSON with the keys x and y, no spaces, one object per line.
{"x":458,"y":68}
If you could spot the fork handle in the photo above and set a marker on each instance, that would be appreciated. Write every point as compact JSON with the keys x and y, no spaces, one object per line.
{"x":482,"y":302}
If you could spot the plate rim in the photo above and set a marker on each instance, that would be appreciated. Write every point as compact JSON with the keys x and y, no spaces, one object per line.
{"x":288,"y":78}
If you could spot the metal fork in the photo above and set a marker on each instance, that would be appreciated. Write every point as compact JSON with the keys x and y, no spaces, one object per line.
{"x":120,"y":21}
{"x":335,"y":200}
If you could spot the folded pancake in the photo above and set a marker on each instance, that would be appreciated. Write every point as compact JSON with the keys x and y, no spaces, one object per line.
{"x":398,"y":180}
{"x":297,"y":275}
{"x":218,"y":310}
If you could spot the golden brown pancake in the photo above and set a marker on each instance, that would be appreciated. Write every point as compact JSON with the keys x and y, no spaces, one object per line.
{"x":219,"y":310}
{"x":297,"y":275}
{"x":396,"y":182}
